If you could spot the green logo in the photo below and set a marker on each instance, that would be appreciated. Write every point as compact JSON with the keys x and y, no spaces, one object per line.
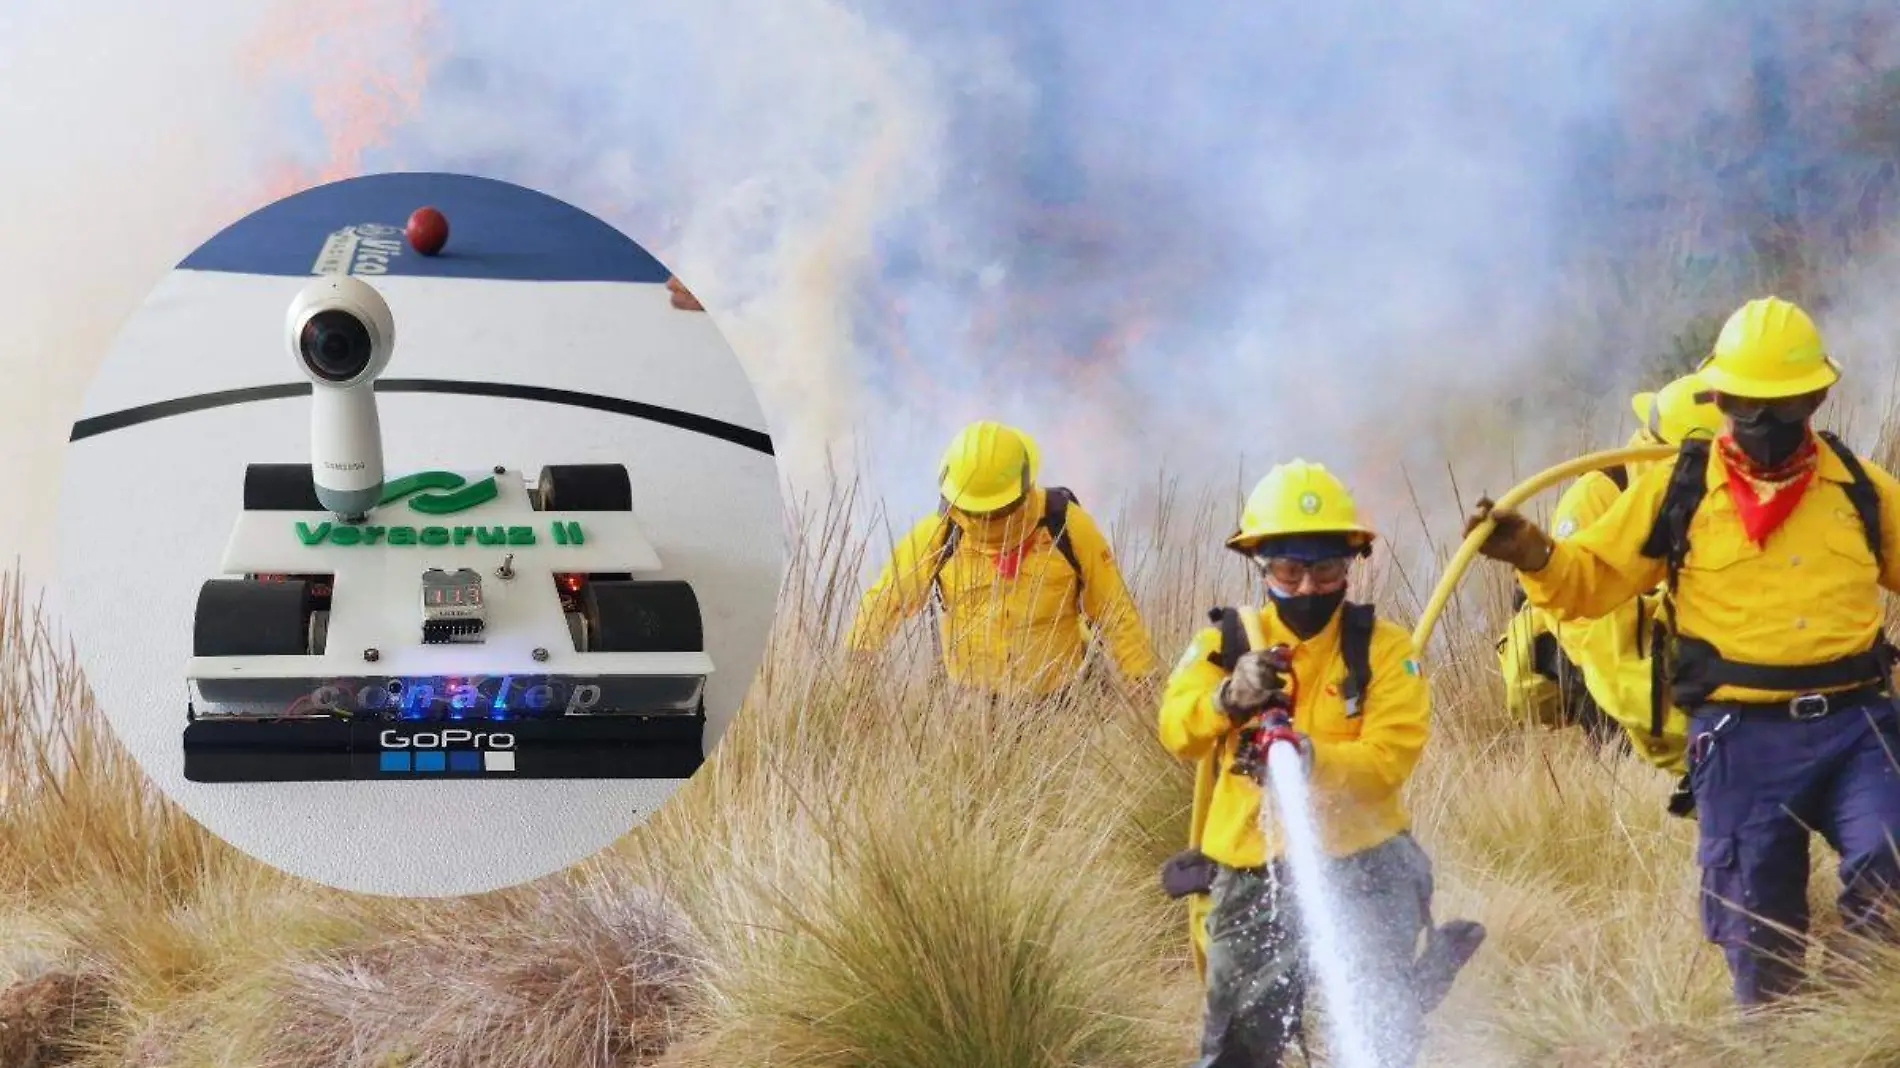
{"x":1309,"y":503}
{"x":449,"y":493}
{"x":459,"y":493}
{"x":568,"y":533}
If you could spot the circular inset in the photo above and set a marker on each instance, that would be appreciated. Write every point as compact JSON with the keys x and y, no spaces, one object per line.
{"x":420,"y":574}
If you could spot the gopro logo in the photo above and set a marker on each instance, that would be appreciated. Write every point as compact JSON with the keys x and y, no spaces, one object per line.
{"x":446,"y":738}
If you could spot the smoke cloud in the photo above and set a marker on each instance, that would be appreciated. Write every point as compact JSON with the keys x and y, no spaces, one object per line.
{"x":133,"y":135}
{"x":1373,"y":235}
{"x":1370,"y":235}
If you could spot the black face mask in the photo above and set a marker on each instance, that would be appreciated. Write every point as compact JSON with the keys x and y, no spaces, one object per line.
{"x":1308,"y":614}
{"x":1766,"y":439}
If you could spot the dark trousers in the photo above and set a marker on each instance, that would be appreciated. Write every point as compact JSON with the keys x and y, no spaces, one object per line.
{"x":1257,"y":966}
{"x":1762,"y":785}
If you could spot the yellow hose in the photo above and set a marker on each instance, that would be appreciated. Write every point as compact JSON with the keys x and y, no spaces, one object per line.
{"x":1250,"y":623}
{"x":1519,"y":493}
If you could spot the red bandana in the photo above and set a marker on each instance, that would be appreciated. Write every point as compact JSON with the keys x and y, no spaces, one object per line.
{"x":1764,"y":497}
{"x":1009,"y":561}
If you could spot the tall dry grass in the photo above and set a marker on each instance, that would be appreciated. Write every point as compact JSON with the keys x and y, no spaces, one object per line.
{"x":873,"y":870}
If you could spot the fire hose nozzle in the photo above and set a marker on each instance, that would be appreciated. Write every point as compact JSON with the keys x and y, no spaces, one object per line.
{"x":1274,"y":725}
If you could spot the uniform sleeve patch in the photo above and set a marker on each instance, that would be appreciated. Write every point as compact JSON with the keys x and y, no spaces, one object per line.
{"x":1567,"y":527}
{"x":1411,"y":666}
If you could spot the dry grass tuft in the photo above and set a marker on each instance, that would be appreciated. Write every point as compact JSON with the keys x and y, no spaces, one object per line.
{"x":43,"y":1020}
{"x":875,"y":870}
{"x":560,"y":976}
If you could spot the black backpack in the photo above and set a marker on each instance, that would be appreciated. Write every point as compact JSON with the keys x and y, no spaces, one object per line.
{"x":1055,"y":519}
{"x":1689,"y":669}
{"x":1549,"y":659}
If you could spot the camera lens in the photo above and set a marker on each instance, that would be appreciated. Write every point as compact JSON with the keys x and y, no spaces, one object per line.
{"x":335,"y":344}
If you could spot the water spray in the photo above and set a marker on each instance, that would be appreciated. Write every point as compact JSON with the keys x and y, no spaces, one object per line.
{"x":1286,"y":777}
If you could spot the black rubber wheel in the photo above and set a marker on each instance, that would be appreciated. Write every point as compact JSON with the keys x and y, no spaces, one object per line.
{"x":280,"y":488}
{"x":644,"y":617}
{"x":246,"y":617}
{"x":585,"y":488}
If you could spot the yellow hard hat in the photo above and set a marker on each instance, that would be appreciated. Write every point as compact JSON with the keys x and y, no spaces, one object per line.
{"x":988,"y":466}
{"x":1767,"y":350}
{"x":1298,"y":498}
{"x":1680,"y":409}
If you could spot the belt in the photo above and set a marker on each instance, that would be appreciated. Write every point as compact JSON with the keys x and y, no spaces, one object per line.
{"x":1806,"y":706}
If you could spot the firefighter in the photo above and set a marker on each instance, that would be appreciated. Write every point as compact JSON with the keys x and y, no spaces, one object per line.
{"x":1601,"y":667}
{"x":1772,"y":544}
{"x":1359,"y":717}
{"x":1019,"y":572}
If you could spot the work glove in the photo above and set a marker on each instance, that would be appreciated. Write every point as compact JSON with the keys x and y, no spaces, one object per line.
{"x":1682,"y":799}
{"x":1187,"y":872}
{"x":1258,"y":678}
{"x":1514,"y":539}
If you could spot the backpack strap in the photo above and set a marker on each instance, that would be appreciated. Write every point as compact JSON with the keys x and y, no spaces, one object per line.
{"x":950,"y":534}
{"x":1355,"y":645}
{"x":1668,"y":540}
{"x":1861,"y":492}
{"x":1055,"y":519}
{"x":1688,"y":483}
{"x":1233,"y":638}
{"x":1866,"y":500}
{"x":1620,"y":474}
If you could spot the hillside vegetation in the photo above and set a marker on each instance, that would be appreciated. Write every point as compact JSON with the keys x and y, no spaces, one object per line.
{"x":872,"y":871}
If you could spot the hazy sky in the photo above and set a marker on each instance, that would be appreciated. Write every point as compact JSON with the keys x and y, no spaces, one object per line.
{"x":1348,"y":231}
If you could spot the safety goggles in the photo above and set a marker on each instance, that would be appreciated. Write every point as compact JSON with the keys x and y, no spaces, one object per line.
{"x":1289,"y":571}
{"x":1781,"y":410}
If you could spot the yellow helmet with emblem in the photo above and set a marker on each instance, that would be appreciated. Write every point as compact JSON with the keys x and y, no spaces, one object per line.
{"x":1682,"y":409}
{"x":1298,"y":498}
{"x":1769,"y":349}
{"x":988,"y":467}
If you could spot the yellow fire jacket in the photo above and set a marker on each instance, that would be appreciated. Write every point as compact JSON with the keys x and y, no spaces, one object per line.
{"x":1360,"y":763}
{"x":1010,"y":623}
{"x":1811,"y":595}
